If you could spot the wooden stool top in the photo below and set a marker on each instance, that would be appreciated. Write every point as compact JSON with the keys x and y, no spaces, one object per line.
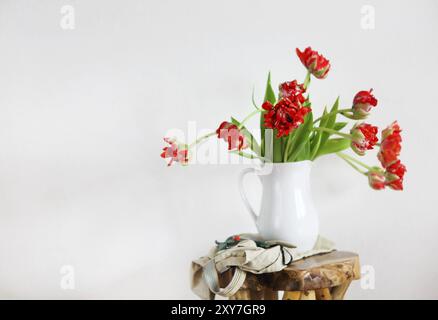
{"x":313,"y":273}
{"x":317,"y":272}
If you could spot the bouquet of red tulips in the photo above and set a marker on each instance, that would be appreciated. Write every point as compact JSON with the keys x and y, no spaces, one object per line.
{"x":297,"y":135}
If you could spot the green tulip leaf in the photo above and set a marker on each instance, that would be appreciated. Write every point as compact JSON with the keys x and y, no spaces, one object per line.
{"x":316,"y":139}
{"x":334,"y":145}
{"x":339,"y":125}
{"x":331,"y":120}
{"x":301,"y":137}
{"x":269,"y":92}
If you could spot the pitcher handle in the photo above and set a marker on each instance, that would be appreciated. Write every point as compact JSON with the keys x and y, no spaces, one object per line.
{"x":242,"y":192}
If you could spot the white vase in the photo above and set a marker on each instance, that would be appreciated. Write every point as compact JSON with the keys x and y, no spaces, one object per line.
{"x":287,"y":212}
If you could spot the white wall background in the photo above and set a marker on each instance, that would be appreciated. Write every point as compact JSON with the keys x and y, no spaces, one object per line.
{"x":83,"y":112}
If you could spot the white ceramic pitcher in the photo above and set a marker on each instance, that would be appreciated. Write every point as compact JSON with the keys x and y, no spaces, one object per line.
{"x":287,"y":212}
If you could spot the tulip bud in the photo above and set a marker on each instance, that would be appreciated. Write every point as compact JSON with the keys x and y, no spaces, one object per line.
{"x":394,"y":175}
{"x":363,"y":137}
{"x":392,"y":129}
{"x":362,"y":104}
{"x":232,"y":135}
{"x":315,"y":63}
{"x":376,"y":178}
{"x":390,"y":146}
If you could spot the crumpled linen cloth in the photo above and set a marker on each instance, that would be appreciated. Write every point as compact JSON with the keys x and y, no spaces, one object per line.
{"x":246,"y":256}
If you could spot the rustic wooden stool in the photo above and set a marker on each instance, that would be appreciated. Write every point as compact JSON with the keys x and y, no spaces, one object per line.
{"x":321,"y":277}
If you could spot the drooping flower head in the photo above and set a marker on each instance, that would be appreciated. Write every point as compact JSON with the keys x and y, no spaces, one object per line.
{"x":315,"y":63}
{"x":285,"y":116}
{"x":176,"y":152}
{"x":362,"y":103}
{"x":376,"y":178}
{"x":394,"y":175}
{"x":390,"y":146}
{"x":364,"y":137}
{"x":232,"y":135}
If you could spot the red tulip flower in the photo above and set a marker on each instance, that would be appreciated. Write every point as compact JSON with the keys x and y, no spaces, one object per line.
{"x":232,"y":135}
{"x":390,"y":146}
{"x":293,"y":91}
{"x":364,"y":137}
{"x":285,"y":116}
{"x":362,"y":103}
{"x":315,"y":63}
{"x":175,"y":152}
{"x":394,"y":175}
{"x":376,"y":179}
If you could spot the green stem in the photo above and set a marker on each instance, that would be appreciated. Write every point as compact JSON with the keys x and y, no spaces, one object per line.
{"x":200,"y":139}
{"x":248,"y":117}
{"x":249,"y":156}
{"x":253,"y":100}
{"x":353,"y":165}
{"x":350,"y":158}
{"x":307,"y":80}
{"x":331,"y":113}
{"x":345,"y":135}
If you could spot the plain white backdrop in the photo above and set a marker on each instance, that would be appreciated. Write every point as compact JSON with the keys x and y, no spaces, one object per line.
{"x":83,"y":112}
